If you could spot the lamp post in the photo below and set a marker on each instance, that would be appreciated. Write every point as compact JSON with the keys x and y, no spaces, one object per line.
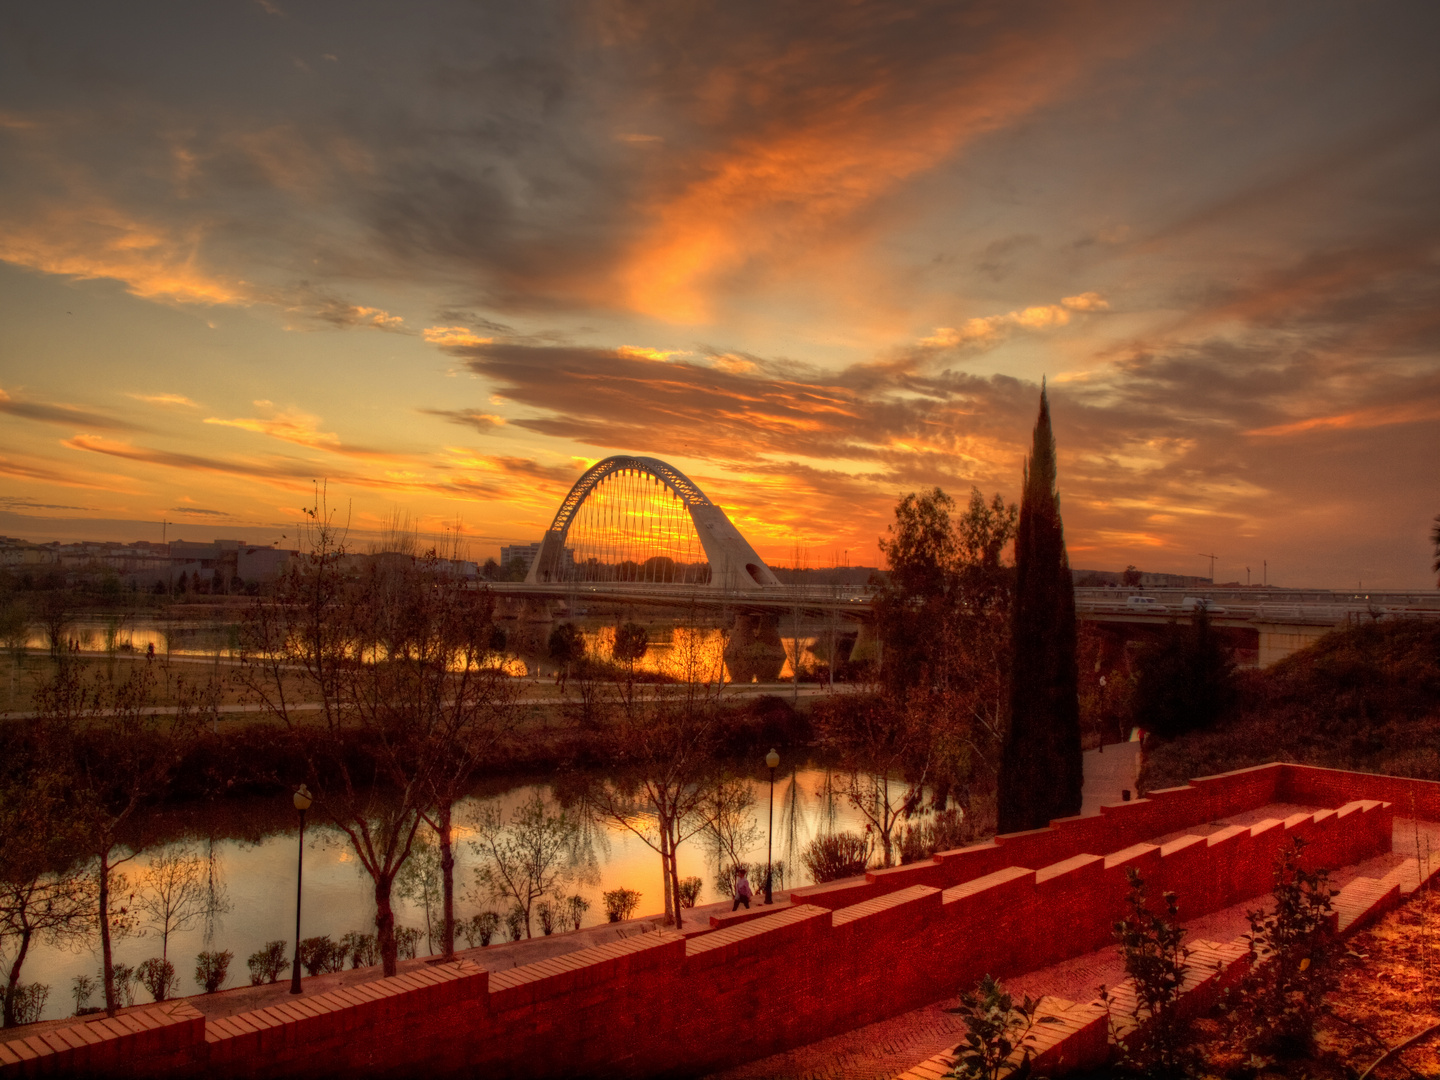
{"x":303,"y":799}
{"x":772,"y":759}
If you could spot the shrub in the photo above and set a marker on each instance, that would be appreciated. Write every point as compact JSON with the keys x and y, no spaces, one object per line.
{"x":479,"y":929}
{"x":319,"y":955}
{"x":945,"y":831}
{"x":82,"y":989}
{"x":547,"y":915}
{"x":516,"y":924}
{"x":212,"y":969}
{"x":28,"y":1002}
{"x":1291,"y":953}
{"x":158,"y":976}
{"x":267,"y":963}
{"x":575,"y":908}
{"x":690,"y":891}
{"x":839,"y":855}
{"x":1155,"y":958}
{"x":407,"y":941}
{"x":620,"y":904}
{"x":124,"y":983}
{"x":995,"y":1027}
{"x":360,"y":949}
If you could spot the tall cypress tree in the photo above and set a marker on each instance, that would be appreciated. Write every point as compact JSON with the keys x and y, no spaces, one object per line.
{"x":1041,"y":768}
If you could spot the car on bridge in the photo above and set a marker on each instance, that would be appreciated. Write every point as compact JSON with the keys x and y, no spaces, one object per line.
{"x":1144,"y":603}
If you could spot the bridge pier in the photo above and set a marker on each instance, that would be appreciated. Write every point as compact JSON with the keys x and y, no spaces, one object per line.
{"x":1279,"y":640}
{"x":754,"y":652}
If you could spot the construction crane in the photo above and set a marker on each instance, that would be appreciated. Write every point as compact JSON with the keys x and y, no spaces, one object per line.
{"x":1212,"y":557}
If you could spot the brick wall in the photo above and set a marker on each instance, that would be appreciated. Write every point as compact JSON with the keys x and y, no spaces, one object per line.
{"x":663,"y":1004}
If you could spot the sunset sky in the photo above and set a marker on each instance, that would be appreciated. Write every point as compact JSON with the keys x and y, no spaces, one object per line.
{"x":815,"y":254}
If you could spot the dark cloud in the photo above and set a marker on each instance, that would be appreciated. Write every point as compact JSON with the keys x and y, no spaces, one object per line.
{"x":64,"y":415}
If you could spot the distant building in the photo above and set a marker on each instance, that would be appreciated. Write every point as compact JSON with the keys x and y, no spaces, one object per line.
{"x":1148,"y":580}
{"x":524,"y":552}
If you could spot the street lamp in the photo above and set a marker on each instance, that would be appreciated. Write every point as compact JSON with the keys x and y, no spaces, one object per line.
{"x":303,"y":799}
{"x":772,"y":759}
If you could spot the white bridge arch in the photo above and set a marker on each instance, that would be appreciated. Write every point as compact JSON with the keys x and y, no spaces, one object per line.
{"x":734,"y":564}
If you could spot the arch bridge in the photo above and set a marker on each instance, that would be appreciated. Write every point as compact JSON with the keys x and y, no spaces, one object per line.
{"x":641,"y":521}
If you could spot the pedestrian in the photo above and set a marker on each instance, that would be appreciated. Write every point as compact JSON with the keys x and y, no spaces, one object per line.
{"x":742,"y":890}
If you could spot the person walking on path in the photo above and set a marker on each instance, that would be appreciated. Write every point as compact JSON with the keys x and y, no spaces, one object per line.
{"x":742,"y":890}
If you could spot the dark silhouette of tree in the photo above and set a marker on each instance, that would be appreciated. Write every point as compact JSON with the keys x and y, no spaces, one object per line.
{"x":1186,"y":681}
{"x":631,"y":641}
{"x":1041,"y":768}
{"x":943,"y":616}
{"x":118,"y":757}
{"x":663,"y":770}
{"x":1131,"y":576}
{"x":45,"y":893}
{"x":1435,"y":543}
{"x":397,"y":652}
{"x":567,"y":649}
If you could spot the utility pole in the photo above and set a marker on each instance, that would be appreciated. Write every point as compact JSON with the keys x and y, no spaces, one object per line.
{"x":1212,"y":557}
{"x":1247,"y":576}
{"x":1265,"y":578}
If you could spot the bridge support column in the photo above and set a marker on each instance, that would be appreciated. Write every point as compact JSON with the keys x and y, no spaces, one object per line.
{"x":754,"y":652}
{"x":1279,"y":640}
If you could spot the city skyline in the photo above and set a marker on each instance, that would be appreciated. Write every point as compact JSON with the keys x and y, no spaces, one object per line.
{"x":815,"y":257}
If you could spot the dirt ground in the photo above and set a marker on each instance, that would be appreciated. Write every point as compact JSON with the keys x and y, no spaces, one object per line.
{"x":1388,"y":990}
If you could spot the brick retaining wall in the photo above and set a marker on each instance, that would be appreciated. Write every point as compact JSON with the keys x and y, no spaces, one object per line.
{"x":835,"y":959}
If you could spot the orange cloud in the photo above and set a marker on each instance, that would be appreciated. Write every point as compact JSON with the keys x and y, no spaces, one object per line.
{"x":165,"y":399}
{"x":88,"y":241}
{"x":452,"y":336}
{"x":797,"y":181}
{"x":1376,"y":416}
{"x":296,"y":427}
{"x":990,"y":329}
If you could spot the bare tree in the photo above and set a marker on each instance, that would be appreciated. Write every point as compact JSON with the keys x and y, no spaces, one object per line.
{"x":44,"y":892}
{"x":322,"y":640}
{"x":117,"y":757}
{"x":398,"y":653}
{"x":664,"y":771}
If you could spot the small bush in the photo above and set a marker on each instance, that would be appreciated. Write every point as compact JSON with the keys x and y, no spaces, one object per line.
{"x":1155,"y":958}
{"x":575,"y":908}
{"x":407,"y":941}
{"x":212,"y":969}
{"x":1291,"y":954}
{"x":82,"y":989}
{"x":319,"y":955}
{"x":547,"y":916}
{"x":124,"y":984}
{"x":516,"y":924}
{"x":995,"y":1027}
{"x":690,"y":891}
{"x":839,"y":855}
{"x":267,"y":963}
{"x":158,"y":976}
{"x":620,"y":904}
{"x":945,"y":831}
{"x":361,"y":950}
{"x":479,"y":929}
{"x":28,"y":1002}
